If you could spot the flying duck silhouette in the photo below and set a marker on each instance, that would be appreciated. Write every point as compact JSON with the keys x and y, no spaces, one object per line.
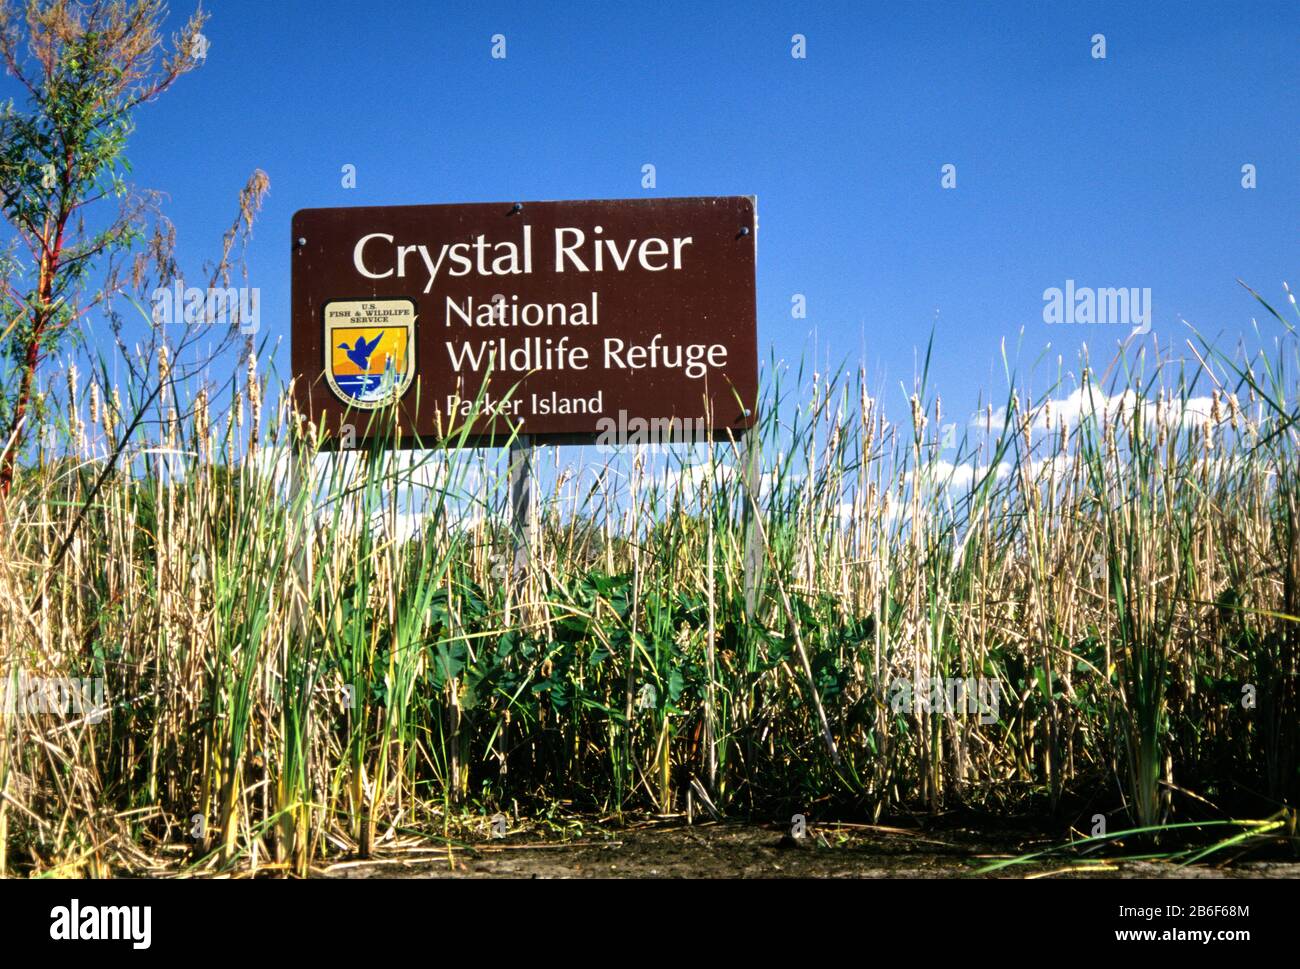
{"x":360,"y":353}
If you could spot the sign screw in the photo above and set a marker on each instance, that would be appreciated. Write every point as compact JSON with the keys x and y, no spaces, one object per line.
{"x":744,"y":231}
{"x":301,"y":242}
{"x":516,"y":208}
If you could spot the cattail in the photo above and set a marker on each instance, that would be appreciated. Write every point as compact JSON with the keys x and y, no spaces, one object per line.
{"x":868,"y":422}
{"x":235,"y":414}
{"x":74,"y":414}
{"x":254,"y":404}
{"x":202,"y":421}
{"x":834,"y":441}
{"x":113,"y":412}
{"x":254,"y":392}
{"x":919,"y":419}
{"x":164,"y":372}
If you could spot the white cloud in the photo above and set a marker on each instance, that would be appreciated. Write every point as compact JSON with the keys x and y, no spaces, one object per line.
{"x":1086,"y":402}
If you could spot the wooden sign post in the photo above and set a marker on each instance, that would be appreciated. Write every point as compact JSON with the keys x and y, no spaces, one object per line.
{"x":523,"y":519}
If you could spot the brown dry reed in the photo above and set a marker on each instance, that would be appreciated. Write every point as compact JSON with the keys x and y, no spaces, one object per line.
{"x":306,"y":655}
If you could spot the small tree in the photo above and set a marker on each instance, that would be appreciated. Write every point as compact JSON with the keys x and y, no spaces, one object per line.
{"x":85,"y":68}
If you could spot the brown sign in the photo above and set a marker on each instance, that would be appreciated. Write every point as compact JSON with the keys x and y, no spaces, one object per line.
{"x":561,"y":320}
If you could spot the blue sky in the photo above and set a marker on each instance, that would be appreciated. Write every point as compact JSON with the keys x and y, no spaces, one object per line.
{"x":1117,"y":172}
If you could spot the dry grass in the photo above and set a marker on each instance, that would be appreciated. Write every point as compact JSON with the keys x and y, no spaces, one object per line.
{"x":286,"y":686}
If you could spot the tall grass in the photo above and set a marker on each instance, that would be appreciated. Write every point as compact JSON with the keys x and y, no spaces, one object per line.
{"x":300,"y":662}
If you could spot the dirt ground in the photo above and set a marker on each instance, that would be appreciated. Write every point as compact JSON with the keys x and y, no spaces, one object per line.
{"x":677,"y":850}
